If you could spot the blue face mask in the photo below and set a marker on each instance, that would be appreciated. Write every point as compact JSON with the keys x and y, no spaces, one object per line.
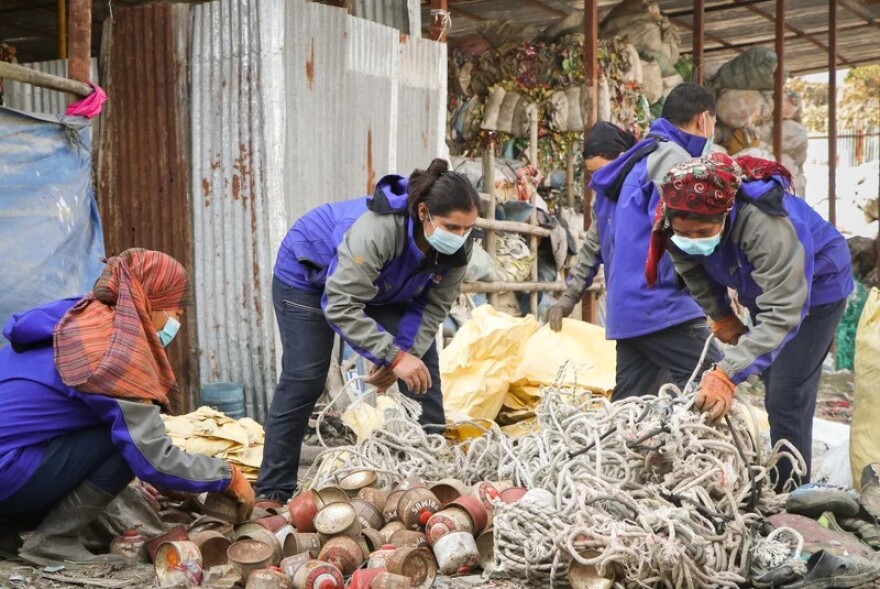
{"x":167,"y":333}
{"x":697,"y":247}
{"x":445,"y":242}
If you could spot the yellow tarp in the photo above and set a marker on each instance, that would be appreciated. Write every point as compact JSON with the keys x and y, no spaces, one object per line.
{"x":864,"y":440}
{"x":207,"y":431}
{"x":477,"y":368}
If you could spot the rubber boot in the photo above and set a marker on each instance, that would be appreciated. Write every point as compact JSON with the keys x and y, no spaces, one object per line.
{"x":57,"y":537}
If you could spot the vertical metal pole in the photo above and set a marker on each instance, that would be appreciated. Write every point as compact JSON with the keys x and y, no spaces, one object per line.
{"x":591,"y":74}
{"x":533,"y":217}
{"x":569,"y":179}
{"x":439,"y":10}
{"x":80,"y":43}
{"x":699,"y":32}
{"x":62,"y":29}
{"x":832,"y":111}
{"x":489,"y":187}
{"x":779,"y":81}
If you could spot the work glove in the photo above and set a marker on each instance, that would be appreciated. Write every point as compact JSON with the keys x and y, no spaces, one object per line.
{"x":715,"y":395}
{"x":381,"y":377}
{"x":240,"y":489}
{"x":412,"y":371}
{"x":560,"y":309}
{"x":729,"y":329}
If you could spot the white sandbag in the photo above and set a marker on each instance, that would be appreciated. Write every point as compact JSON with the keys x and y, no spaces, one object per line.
{"x":558,"y":110}
{"x":634,"y":73}
{"x":652,"y":86}
{"x":641,"y":22}
{"x":670,"y":82}
{"x":493,"y":108}
{"x":763,"y":152}
{"x":755,"y":69}
{"x":795,"y":141}
{"x":743,"y":108}
{"x":572,"y":23}
{"x":575,"y":97}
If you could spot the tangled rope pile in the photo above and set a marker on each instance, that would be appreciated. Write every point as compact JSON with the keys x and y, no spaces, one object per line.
{"x":644,"y":488}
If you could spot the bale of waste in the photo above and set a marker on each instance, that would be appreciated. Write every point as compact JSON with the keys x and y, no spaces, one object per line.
{"x":743,"y":108}
{"x":652,"y":81}
{"x":755,"y":69}
{"x":641,"y":21}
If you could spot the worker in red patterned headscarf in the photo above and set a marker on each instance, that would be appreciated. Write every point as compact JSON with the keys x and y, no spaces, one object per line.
{"x":736,"y":224}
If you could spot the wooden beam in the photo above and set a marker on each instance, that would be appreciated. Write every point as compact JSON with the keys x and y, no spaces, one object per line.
{"x":791,"y":28}
{"x":699,"y":38}
{"x":860,"y":12}
{"x":62,"y":29}
{"x":713,"y":8}
{"x":19,"y":73}
{"x":511,"y":227}
{"x":496,"y":287}
{"x":763,"y":40}
{"x":832,"y":112}
{"x":80,"y":41}
{"x":779,"y":80}
{"x":590,"y":115}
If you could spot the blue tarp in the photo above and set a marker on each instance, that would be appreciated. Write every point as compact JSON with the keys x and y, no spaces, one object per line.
{"x":50,"y":232}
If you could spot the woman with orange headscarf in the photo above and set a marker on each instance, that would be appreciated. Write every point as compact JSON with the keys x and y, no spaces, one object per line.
{"x":81,"y":387}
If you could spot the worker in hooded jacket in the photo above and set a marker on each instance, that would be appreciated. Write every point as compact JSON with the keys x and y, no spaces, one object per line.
{"x":81,"y":386}
{"x":736,"y":224}
{"x":382,"y":271}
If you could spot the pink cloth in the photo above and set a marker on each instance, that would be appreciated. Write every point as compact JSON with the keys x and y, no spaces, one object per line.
{"x":90,"y":106}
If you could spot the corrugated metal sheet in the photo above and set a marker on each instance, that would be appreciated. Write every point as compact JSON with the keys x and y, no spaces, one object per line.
{"x":362,"y":100}
{"x":853,"y":148}
{"x":143,"y":180}
{"x":237,"y":82}
{"x":403,"y":15}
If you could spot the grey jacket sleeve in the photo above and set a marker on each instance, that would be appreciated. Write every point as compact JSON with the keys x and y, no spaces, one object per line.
{"x":137,"y":429}
{"x":367,"y":246}
{"x":783,"y":273}
{"x":438,"y":301}
{"x":708,"y":293}
{"x":587,"y":263}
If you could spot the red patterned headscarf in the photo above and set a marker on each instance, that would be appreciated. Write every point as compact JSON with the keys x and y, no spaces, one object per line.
{"x":704,"y":186}
{"x":107,"y":344}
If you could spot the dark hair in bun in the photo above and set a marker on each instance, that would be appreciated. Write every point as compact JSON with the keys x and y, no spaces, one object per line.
{"x":442,"y":191}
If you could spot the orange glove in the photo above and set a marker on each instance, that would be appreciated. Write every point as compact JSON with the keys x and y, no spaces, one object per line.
{"x":729,"y":329}
{"x":716,"y":394}
{"x":241,"y":490}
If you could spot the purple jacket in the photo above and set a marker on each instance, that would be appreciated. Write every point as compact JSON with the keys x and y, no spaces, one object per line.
{"x":36,"y":407}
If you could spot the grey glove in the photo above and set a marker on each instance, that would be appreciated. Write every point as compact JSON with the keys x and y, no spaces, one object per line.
{"x":561,"y":309}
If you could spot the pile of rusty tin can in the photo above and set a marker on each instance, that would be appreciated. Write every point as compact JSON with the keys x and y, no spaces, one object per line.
{"x":359,"y":534}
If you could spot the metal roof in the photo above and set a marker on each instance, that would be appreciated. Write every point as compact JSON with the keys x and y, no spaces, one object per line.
{"x":731,"y":26}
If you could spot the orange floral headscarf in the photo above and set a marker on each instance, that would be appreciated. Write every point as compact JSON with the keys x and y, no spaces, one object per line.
{"x":106,"y":343}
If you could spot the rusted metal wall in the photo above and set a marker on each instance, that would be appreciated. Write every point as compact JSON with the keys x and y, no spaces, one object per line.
{"x":143,"y":168}
{"x":403,"y":15}
{"x":238,"y":120}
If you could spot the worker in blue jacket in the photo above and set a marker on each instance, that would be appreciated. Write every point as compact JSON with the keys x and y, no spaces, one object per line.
{"x":382,"y":271}
{"x":81,"y":386}
{"x":737,"y":224}
{"x":660,"y":331}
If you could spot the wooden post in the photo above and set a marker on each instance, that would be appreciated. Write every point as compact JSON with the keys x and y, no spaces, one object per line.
{"x":62,"y":29}
{"x":439,"y":14}
{"x":80,"y":42}
{"x":832,"y":112}
{"x":779,"y":81}
{"x":533,"y":217}
{"x":591,"y":74}
{"x":489,"y":187}
{"x":569,"y":179}
{"x":699,"y":39}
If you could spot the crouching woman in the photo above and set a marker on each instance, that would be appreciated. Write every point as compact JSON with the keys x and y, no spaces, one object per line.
{"x":81,"y":387}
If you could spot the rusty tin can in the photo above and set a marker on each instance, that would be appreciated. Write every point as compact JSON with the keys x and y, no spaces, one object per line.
{"x":318,"y":575}
{"x":417,"y":564}
{"x":379,"y":558}
{"x":303,"y":508}
{"x":512,"y":494}
{"x":486,"y":548}
{"x":448,"y":490}
{"x":374,"y":539}
{"x":391,"y":581}
{"x":344,"y":553}
{"x":132,"y":547}
{"x":377,"y":497}
{"x":289,"y":565}
{"x":456,"y":553}
{"x":475,"y":510}
{"x":408,"y":483}
{"x":368,"y":514}
{"x":222,"y":506}
{"x":268,"y":578}
{"x":416,"y":506}
{"x":206,"y":523}
{"x":213,"y":547}
{"x":363,"y":578}
{"x":178,"y":563}
{"x":357,"y":480}
{"x":273,"y":523}
{"x":453,"y":519}
{"x":390,"y":529}
{"x":297,"y":543}
{"x":177,"y":534}
{"x":389,"y":510}
{"x":332,"y":495}
{"x":268,"y":538}
{"x":409,"y":538}
{"x":338,"y":519}
{"x":247,"y":556}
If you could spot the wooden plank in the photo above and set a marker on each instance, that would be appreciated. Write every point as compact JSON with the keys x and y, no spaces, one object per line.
{"x":779,"y":80}
{"x":79,"y":44}
{"x":832,"y":112}
{"x":496,"y":287}
{"x":511,"y":227}
{"x":699,"y":38}
{"x":19,"y":73}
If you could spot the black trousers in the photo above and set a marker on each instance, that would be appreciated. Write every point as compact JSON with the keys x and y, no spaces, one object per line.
{"x":647,"y":362}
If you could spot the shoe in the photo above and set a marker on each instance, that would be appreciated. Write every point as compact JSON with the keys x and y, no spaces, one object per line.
{"x":56,"y":539}
{"x":870,"y":487}
{"x":863,"y":527}
{"x":814,"y":499}
{"x":826,"y":571}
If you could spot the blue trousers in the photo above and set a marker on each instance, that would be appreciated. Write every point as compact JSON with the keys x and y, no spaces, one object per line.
{"x":84,"y":455}
{"x":307,"y":345}
{"x":792,"y":383}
